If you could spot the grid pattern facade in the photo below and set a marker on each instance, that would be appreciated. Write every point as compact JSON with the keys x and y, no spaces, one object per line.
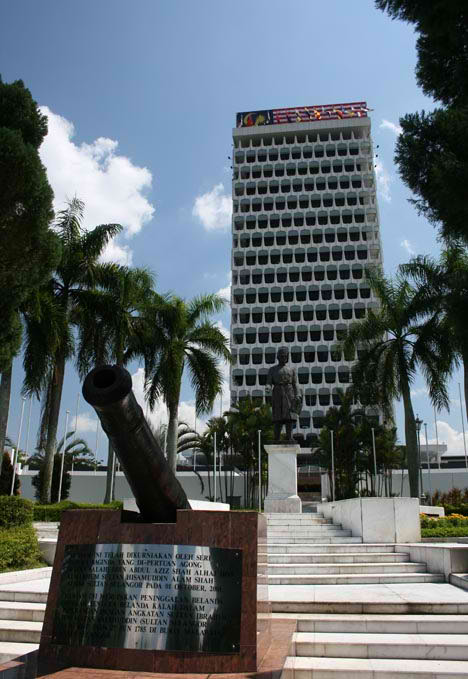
{"x":305,"y":227}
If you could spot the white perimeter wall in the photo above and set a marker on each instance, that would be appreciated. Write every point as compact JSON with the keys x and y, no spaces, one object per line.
{"x":91,"y":486}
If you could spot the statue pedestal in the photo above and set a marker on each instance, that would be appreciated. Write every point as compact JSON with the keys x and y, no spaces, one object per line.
{"x":282,"y":479}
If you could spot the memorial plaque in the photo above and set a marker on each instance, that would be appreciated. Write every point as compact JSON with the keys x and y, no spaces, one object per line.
{"x":151,"y":597}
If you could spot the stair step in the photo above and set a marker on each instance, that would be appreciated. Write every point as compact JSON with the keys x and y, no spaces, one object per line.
{"x":358,"y":579}
{"x":317,"y":548}
{"x":20,"y":631}
{"x":29,"y":597}
{"x":401,"y":646}
{"x":12,"y":650}
{"x":343,"y":569}
{"x":381,"y":624}
{"x":19,"y":610}
{"x":346,"y":557}
{"x":345,"y":668}
{"x":307,"y":604}
{"x":310,"y":530}
{"x":337,"y":539}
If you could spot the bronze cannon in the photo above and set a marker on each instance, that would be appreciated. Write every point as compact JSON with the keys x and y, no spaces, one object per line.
{"x":157,"y":492}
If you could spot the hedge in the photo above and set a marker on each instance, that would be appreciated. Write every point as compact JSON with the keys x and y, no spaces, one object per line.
{"x":19,"y":548}
{"x":454,"y":525}
{"x":54,"y":512}
{"x":15,"y":511}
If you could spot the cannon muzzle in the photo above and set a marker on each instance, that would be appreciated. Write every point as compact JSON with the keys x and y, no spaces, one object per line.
{"x":157,"y":492}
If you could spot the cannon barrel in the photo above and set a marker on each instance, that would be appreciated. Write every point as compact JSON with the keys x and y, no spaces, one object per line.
{"x":157,"y":492}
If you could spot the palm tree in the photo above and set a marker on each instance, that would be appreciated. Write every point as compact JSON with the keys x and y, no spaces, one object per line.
{"x":442,"y":290}
{"x":111,"y":329}
{"x":179,"y":335}
{"x":391,"y":347}
{"x":50,"y":339}
{"x":344,"y":421}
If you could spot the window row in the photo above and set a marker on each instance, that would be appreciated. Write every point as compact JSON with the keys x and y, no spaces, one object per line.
{"x":244,"y":177}
{"x":335,"y":254}
{"x":317,"y":333}
{"x":353,"y":135}
{"x":305,"y":202}
{"x":301,"y":333}
{"x":319,"y":311}
{"x":274,"y":221}
{"x":287,"y":220}
{"x":275,"y":295}
{"x":274,"y":187}
{"x":320,"y":353}
{"x":297,"y":152}
{"x":315,"y":375}
{"x":294,"y":314}
{"x":292,"y":237}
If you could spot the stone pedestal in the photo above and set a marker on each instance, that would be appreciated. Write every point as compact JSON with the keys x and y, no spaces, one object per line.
{"x":282,"y":479}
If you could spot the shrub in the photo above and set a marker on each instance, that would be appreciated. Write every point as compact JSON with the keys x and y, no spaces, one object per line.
{"x":66,"y":481}
{"x":15,"y":511}
{"x":19,"y":548}
{"x":54,"y":512}
{"x":6,"y":477}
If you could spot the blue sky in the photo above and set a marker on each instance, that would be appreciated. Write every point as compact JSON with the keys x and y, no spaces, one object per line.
{"x":142,"y":97}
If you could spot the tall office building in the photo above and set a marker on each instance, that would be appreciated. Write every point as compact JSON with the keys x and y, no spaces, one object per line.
{"x":305,"y":226}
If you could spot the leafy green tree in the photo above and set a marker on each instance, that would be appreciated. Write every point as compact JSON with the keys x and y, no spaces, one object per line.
{"x":28,"y":246}
{"x":442,"y":289}
{"x":442,"y":66}
{"x":431,"y":153}
{"x":180,"y":335}
{"x":244,"y":421}
{"x":50,"y":339}
{"x":392,"y":347}
{"x":111,"y":329}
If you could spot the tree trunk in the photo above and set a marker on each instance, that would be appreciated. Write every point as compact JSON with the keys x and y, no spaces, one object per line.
{"x":5,"y":391}
{"x":171,"y":442}
{"x":412,"y":456}
{"x":54,"y":405}
{"x":110,"y":475}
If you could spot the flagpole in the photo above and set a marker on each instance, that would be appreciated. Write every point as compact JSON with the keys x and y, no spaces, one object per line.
{"x":259,"y":432}
{"x":437,"y":436}
{"x":29,"y":426}
{"x":63,"y":456}
{"x":16,"y":452}
{"x":333,"y":465}
{"x":463,"y":425}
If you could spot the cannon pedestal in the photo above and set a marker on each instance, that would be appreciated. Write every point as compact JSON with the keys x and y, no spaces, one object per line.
{"x":187,"y":597}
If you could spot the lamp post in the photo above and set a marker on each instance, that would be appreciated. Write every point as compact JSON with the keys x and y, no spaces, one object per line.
{"x":428,"y":466}
{"x":259,"y":432}
{"x":333,"y":465}
{"x":17,"y":451}
{"x":418,"y":424}
{"x":375,"y":461}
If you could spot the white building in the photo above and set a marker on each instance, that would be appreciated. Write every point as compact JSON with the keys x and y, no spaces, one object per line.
{"x":305,"y":226}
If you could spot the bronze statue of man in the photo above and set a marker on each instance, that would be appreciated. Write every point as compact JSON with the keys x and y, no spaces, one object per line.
{"x":286,"y":399}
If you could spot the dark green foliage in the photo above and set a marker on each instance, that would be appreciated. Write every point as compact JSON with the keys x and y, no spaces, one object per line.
{"x":6,"y":477}
{"x":28,"y":247}
{"x":15,"y":511}
{"x":19,"y":548}
{"x":442,"y":66}
{"x":38,"y":481}
{"x":432,"y":156}
{"x":54,"y":512}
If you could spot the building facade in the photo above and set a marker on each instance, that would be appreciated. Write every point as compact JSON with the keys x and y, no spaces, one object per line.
{"x":305,"y":226}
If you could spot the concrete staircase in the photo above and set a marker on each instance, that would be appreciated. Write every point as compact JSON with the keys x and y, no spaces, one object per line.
{"x":358,"y":631}
{"x":22,"y":609}
{"x":307,"y":549}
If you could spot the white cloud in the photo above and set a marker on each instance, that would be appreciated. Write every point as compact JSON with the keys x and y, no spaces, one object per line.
{"x":416,"y":393}
{"x":225,"y":293}
{"x":408,"y":247}
{"x":388,"y":125}
{"x":213,"y":209}
{"x":446,"y":434}
{"x":111,"y":186}
{"x":383,"y":180}
{"x":85,"y":422}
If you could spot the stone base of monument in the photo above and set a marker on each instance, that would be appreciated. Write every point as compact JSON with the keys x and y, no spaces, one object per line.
{"x":189,"y":597}
{"x":282,"y":479}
